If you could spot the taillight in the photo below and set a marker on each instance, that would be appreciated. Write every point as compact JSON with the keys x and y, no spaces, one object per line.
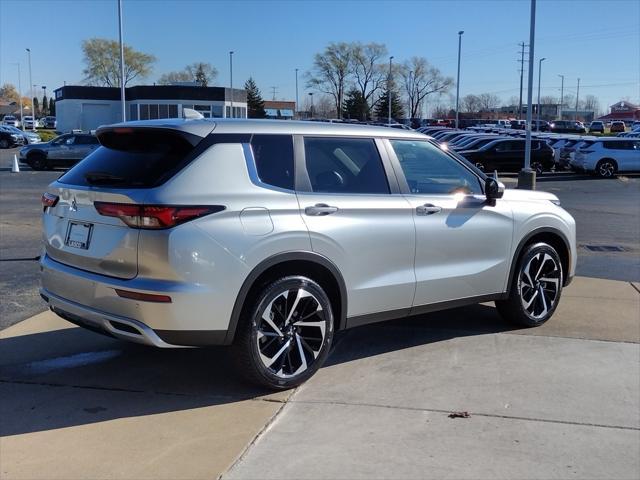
{"x":49,"y":200}
{"x":154,"y":216}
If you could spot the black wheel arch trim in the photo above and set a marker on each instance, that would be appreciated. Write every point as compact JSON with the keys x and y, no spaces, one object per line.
{"x":276,"y":260}
{"x":526,"y":240}
{"x":35,"y":151}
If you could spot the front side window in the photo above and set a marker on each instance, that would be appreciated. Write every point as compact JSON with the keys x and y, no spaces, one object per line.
{"x":273,"y":156}
{"x":428,"y":170}
{"x":345,"y":165}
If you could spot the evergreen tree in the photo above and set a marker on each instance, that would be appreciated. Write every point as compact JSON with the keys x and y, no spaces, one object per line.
{"x":382,"y":107}
{"x":355,"y":105}
{"x":45,"y":104}
{"x":52,"y":107}
{"x":36,"y":107}
{"x":255,"y":103}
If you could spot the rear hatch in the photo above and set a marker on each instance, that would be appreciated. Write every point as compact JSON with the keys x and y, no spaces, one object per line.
{"x":133,"y":158}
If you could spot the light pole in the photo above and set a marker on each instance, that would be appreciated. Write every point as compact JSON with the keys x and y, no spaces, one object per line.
{"x":577,"y":97}
{"x":539,"y":77}
{"x":458,"y":81}
{"x":561,"y":95}
{"x":231,"y":79}
{"x":20,"y":94}
{"x":527,"y":178}
{"x":389,"y":91}
{"x":33,"y":113}
{"x":122,"y":97}
{"x":296,"y":92}
{"x":311,"y":96}
{"x":44,"y":95}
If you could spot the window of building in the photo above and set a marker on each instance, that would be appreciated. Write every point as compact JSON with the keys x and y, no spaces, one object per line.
{"x":228,"y":112}
{"x":163,"y":111}
{"x":153,"y":111}
{"x":144,"y":111}
{"x":133,"y":112}
{"x":431,"y":171}
{"x":345,"y":165}
{"x":216,"y":111}
{"x":273,"y":155}
{"x":173,"y":111}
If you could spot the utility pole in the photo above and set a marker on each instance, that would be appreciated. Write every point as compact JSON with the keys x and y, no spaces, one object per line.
{"x":311,"y":109}
{"x":539,"y":78}
{"x":458,"y":81}
{"x":561,"y":95}
{"x":274,"y":90}
{"x":526,"y":177}
{"x":33,"y":95}
{"x":577,"y":97}
{"x":231,"y":80}
{"x":297,"y":93}
{"x":389,"y":91}
{"x":521,"y":78}
{"x":122,"y":97}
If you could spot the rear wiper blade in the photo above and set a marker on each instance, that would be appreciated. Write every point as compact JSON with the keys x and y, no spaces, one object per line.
{"x":103,"y":178}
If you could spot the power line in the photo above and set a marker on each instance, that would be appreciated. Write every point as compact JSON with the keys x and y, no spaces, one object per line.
{"x":274,"y":90}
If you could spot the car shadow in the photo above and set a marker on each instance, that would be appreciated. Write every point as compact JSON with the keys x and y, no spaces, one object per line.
{"x":70,"y":377}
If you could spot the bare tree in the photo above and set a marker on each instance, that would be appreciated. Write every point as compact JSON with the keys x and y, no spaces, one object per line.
{"x":202,"y":73}
{"x":420,"y":80}
{"x":549,"y":100}
{"x":369,"y":74}
{"x":171,"y":78}
{"x":488,"y":101}
{"x":470,"y":103}
{"x":591,"y":102}
{"x":102,"y":59}
{"x":513,"y":100}
{"x":330,"y":71}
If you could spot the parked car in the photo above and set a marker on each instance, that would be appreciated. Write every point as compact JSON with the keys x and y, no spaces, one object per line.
{"x":617,"y":127}
{"x":508,"y":155}
{"x":28,"y":122}
{"x":10,"y":140}
{"x":29,"y":137}
{"x":194,"y":233}
{"x":567,"y":126}
{"x":63,"y":151}
{"x":568,"y":150}
{"x":475,"y":143}
{"x":540,"y":125}
{"x":518,"y":124}
{"x":50,"y":122}
{"x":606,"y":157}
{"x":10,"y":120}
{"x":596,"y":126}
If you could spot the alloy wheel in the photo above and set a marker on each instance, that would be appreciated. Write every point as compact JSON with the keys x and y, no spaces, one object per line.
{"x":291,"y":332}
{"x":540,"y":285}
{"x":537,"y":166}
{"x":606,"y":169}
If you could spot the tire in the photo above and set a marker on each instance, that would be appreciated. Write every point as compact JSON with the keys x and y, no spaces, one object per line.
{"x":533,"y":301}
{"x":274,"y":353}
{"x":4,"y":143}
{"x":537,"y":166}
{"x":606,"y":168}
{"x":38,"y":161}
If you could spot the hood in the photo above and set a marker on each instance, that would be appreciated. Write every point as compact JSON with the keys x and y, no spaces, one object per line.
{"x":528,"y":195}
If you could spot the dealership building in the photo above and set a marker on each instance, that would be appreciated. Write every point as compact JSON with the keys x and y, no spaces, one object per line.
{"x":86,"y":108}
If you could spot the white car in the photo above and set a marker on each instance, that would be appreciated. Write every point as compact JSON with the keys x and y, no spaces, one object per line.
{"x":11,"y":121}
{"x":27,"y":121}
{"x":608,"y":156}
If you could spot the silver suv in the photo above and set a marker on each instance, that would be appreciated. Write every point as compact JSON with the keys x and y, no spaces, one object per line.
{"x":272,"y":235}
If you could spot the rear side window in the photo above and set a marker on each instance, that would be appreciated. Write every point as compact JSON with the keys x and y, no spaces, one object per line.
{"x":134,"y":159}
{"x":618,"y":145}
{"x":273,"y":155}
{"x":345,"y":165}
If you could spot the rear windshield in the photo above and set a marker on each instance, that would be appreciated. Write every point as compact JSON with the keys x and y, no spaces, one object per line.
{"x":135,"y":159}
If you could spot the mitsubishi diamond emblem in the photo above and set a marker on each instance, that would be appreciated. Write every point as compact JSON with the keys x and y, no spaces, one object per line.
{"x":74,"y":205}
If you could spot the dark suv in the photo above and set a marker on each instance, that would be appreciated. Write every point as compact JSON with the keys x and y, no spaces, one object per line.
{"x":8,"y":139}
{"x":567,"y":126}
{"x":508,"y":155}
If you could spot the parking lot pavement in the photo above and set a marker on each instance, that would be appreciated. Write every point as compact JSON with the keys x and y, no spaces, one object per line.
{"x":78,"y":405}
{"x":559,"y":401}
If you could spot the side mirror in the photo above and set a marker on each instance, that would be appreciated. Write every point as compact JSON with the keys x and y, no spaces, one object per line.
{"x":493,"y":189}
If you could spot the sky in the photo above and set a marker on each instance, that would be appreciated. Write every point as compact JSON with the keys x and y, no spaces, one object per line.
{"x":595,"y":40}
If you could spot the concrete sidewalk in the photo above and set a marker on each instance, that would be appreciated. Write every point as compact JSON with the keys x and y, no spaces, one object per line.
{"x":559,"y":401}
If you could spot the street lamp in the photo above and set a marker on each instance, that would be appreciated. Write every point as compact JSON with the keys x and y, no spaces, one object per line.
{"x":231,"y":79}
{"x":296,"y":91}
{"x":44,"y":95}
{"x":311,"y":96}
{"x":527,"y":178}
{"x":539,"y":77}
{"x":577,"y":97}
{"x":389,"y":91}
{"x":33,"y":113}
{"x":122,"y":94}
{"x":561,"y":95}
{"x":20,"y":94}
{"x":458,"y":81}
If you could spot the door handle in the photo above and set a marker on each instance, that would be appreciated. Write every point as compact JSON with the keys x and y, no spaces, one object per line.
{"x":320,"y":210}
{"x":428,"y":209}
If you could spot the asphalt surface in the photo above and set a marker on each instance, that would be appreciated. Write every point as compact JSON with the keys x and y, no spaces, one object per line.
{"x":606,"y":212}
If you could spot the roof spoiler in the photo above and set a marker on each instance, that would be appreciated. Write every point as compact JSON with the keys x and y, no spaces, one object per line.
{"x":189,"y":130}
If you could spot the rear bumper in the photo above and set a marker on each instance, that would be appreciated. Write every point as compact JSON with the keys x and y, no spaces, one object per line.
{"x":90,"y":300}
